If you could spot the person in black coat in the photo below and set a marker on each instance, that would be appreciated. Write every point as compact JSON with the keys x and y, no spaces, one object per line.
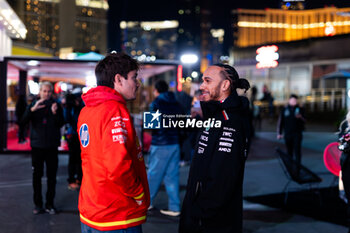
{"x":291,"y":123}
{"x":21,"y":107}
{"x":344,"y":146}
{"x":71,"y":112}
{"x":213,"y":200}
{"x":46,"y":118}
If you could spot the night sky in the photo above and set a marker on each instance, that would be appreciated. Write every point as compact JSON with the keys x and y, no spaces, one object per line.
{"x":167,"y":9}
{"x":157,"y":10}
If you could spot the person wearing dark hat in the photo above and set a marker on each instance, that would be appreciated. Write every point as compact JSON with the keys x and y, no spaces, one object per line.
{"x":213,"y":200}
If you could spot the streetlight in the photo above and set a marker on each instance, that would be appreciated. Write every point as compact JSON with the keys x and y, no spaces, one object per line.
{"x":189,"y":58}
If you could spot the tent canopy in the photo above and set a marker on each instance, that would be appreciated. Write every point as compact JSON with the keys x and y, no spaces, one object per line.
{"x":337,"y":75}
{"x":74,"y":71}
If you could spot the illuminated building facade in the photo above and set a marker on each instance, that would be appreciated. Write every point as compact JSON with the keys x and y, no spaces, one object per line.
{"x":309,"y":55}
{"x":11,"y":27}
{"x":257,"y":27}
{"x":55,"y":24}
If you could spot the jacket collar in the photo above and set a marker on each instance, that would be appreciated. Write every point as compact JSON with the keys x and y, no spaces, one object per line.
{"x":232,"y":103}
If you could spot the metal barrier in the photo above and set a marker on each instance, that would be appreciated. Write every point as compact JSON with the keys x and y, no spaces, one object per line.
{"x":322,"y":99}
{"x":325,"y":99}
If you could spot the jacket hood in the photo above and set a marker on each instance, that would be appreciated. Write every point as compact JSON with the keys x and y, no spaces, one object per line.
{"x":168,"y":97}
{"x":101,"y":94}
{"x":232,"y":103}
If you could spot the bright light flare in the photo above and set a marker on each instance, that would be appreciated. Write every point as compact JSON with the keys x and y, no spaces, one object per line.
{"x":189,"y":58}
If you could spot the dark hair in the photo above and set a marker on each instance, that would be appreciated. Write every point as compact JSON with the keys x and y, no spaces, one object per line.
{"x":293,"y":96}
{"x":112,"y":64}
{"x":231,"y":74}
{"x":161,"y":86}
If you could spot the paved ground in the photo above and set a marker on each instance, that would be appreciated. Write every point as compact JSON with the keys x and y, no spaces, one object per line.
{"x":263,"y":175}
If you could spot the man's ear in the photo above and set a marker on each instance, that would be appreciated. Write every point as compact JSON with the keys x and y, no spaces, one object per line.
{"x":226,"y":85}
{"x":117,"y":80}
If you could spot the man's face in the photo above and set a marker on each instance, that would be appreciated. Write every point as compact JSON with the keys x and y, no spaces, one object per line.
{"x":292,"y":101}
{"x":45,"y":92}
{"x":212,"y":83}
{"x":129,"y":86}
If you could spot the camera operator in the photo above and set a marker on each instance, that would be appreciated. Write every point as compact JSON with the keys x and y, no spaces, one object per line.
{"x":344,"y":141}
{"x":46,"y":118}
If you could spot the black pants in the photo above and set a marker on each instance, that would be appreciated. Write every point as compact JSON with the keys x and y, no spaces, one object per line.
{"x":49,"y":156}
{"x":74,"y":164}
{"x":293,"y":144}
{"x":21,"y":132}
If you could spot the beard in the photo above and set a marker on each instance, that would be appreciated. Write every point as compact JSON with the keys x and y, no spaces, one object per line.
{"x":215,"y":93}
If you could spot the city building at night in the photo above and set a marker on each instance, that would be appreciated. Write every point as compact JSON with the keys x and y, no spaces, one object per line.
{"x":53,"y":24}
{"x":149,"y":40}
{"x":303,"y":52}
{"x":185,"y":27}
{"x":257,"y":27}
{"x":11,"y":27}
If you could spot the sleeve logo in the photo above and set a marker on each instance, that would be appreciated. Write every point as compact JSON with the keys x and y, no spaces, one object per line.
{"x":84,"y":135}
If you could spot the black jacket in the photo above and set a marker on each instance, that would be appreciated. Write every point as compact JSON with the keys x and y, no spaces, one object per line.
{"x":289,"y":123}
{"x":213,"y":200}
{"x":343,"y":130}
{"x":45,"y":127}
{"x":166,"y":104}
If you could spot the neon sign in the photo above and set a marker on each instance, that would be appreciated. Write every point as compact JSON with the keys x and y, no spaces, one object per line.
{"x":179,"y":78}
{"x":267,"y":57}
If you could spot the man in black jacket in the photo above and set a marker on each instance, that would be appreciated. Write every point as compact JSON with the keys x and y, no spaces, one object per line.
{"x":213,"y":200}
{"x":46,"y":118}
{"x":165,"y":151}
{"x":291,"y":124}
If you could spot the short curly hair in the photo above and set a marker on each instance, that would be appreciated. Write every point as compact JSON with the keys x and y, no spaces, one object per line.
{"x":112,"y":64}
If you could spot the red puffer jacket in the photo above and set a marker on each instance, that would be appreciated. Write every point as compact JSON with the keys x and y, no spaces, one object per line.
{"x":114,"y":174}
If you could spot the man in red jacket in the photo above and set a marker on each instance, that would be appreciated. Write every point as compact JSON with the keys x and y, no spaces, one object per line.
{"x":114,"y":193}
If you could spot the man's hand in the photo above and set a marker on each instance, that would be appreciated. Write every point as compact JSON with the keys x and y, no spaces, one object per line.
{"x":279,"y":136}
{"x":38,"y":105}
{"x":54,"y":108}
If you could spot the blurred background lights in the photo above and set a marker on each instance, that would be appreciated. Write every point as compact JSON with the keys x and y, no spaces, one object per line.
{"x":189,"y":58}
{"x":194,"y":74}
{"x":32,"y":63}
{"x":33,"y":87}
{"x":90,"y":81}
